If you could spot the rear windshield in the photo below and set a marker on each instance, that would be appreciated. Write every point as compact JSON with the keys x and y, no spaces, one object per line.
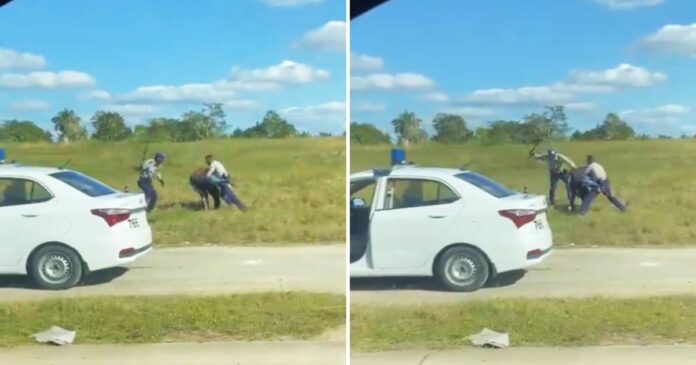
{"x":83,"y":183}
{"x":486,"y":184}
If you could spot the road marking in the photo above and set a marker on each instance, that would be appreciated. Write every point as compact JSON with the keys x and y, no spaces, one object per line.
{"x":650,"y":264}
{"x":252,"y":262}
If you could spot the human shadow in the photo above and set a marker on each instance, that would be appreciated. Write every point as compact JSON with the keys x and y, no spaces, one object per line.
{"x":428,"y":284}
{"x":192,"y":206}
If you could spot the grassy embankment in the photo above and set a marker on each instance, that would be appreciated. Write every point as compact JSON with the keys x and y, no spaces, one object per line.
{"x":295,"y":189}
{"x":657,"y":178}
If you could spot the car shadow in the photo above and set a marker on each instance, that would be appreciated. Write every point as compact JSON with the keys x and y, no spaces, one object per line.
{"x":95,"y":278}
{"x":104,"y":276}
{"x":427,"y":284}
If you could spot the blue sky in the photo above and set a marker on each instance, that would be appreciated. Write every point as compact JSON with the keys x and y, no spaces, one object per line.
{"x":501,"y":59}
{"x":161,"y":58}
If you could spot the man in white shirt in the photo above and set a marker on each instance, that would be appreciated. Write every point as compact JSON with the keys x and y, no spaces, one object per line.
{"x":219,"y":176}
{"x":216,"y":170}
{"x":596,"y":173}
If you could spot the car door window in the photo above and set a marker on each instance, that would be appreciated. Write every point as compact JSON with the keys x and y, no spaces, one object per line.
{"x":22,"y":192}
{"x":412,"y":193}
{"x":363,"y":190}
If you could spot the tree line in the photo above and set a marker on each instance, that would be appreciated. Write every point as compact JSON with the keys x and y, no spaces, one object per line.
{"x":109,"y":126}
{"x":550,"y":124}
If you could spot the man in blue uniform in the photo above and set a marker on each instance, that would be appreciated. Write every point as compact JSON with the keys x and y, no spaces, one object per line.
{"x":148,"y":172}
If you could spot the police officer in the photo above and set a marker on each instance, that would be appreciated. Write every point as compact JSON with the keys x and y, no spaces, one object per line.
{"x":149,"y":171}
{"x":558,"y":165}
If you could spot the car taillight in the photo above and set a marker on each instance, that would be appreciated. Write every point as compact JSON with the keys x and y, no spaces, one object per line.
{"x":126,"y":252}
{"x":519,"y":216}
{"x":112,"y":216}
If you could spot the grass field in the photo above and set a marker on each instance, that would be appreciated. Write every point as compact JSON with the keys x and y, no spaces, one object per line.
{"x":657,"y":178}
{"x":295,"y":189}
{"x":245,"y":317}
{"x":530,"y":322}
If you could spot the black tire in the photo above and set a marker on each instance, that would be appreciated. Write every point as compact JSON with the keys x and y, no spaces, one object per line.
{"x":55,"y":267}
{"x":462,"y":269}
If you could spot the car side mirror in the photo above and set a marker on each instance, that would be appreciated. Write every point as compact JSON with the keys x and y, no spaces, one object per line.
{"x":358,"y":203}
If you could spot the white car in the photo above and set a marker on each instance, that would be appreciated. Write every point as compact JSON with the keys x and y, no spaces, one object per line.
{"x":456,"y":225}
{"x":58,"y":225}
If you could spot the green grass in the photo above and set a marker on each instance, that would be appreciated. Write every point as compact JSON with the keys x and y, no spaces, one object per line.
{"x":295,"y":189}
{"x":245,"y":317}
{"x":655,"y":177}
{"x":530,"y":322}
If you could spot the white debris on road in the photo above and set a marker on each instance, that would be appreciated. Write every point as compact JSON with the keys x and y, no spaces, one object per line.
{"x":490,"y":338}
{"x":56,"y":335}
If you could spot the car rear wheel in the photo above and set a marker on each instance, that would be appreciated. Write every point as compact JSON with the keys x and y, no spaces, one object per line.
{"x":462,"y":269}
{"x":55,"y":267}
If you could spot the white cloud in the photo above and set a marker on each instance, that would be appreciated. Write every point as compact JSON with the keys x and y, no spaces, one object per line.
{"x":669,"y":113}
{"x":628,"y":4}
{"x":367,"y":107}
{"x":11,"y":59}
{"x":622,"y":76}
{"x":334,"y":108}
{"x":580,"y":106}
{"x":404,"y":81}
{"x":180,"y":93}
{"x":241,"y":104}
{"x":673,"y":39}
{"x":46,"y":80}
{"x":287,"y":72}
{"x":95,"y":95}
{"x":290,"y":3}
{"x":257,"y":80}
{"x":520,"y":96}
{"x":438,"y":97}
{"x":329,"y":116}
{"x":329,"y":37}
{"x":361,"y":62}
{"x":30,"y":105}
{"x":132,"y":110}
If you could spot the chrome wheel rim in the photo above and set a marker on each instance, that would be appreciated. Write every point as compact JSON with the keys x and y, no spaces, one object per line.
{"x":461,"y":270}
{"x":55,"y":268}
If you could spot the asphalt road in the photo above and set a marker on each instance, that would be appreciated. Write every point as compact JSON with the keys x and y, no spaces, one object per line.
{"x":633,"y":355}
{"x":567,"y":273}
{"x":207,"y":271}
{"x":253,"y":353}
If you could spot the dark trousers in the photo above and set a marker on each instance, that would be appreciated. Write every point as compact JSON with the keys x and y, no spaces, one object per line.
{"x":205,"y":189}
{"x":230,"y":197}
{"x":554,"y":177}
{"x":605,"y":188}
{"x":145,"y":185}
{"x":587,"y":201}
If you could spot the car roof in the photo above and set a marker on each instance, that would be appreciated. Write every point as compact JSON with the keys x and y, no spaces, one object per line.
{"x":26,"y":170}
{"x":410,"y":171}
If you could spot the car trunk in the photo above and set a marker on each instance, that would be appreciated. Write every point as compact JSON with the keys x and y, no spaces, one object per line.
{"x":125,"y":212}
{"x":525,"y":201}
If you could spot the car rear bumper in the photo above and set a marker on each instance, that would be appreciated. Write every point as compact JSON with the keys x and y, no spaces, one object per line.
{"x":538,"y":255}
{"x":120,"y":249}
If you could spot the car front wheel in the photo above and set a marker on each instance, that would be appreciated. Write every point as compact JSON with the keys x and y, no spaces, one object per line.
{"x":55,"y":267}
{"x":462,"y":269}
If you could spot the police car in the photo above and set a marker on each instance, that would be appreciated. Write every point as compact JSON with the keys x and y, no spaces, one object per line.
{"x":458,"y":226}
{"x":57,"y":225}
